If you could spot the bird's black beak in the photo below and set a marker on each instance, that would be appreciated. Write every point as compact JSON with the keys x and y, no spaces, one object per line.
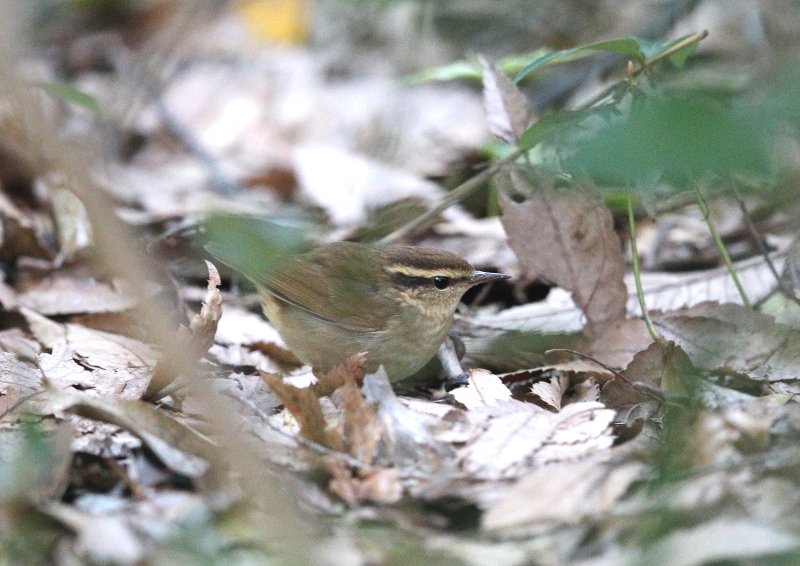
{"x":479,"y":277}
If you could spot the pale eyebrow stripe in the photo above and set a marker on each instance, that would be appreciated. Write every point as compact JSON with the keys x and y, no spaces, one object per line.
{"x":424,"y":272}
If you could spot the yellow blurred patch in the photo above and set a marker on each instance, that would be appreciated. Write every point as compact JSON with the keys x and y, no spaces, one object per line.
{"x":277,"y":21}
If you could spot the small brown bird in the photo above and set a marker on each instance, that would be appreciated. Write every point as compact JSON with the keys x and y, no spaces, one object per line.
{"x":395,"y":302}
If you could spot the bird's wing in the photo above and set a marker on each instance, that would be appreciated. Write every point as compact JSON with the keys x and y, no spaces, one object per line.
{"x":330,"y":284}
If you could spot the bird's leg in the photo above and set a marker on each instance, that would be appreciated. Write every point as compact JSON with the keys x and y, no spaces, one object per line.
{"x":448,"y":356}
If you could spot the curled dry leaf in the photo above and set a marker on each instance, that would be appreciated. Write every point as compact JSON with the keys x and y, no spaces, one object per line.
{"x":357,"y":431}
{"x":362,"y":429}
{"x":551,"y":392}
{"x":550,"y":383}
{"x":483,"y":388}
{"x":616,"y":343}
{"x":565,"y":236}
{"x":191,"y":343}
{"x":305,"y":407}
{"x":508,"y":113}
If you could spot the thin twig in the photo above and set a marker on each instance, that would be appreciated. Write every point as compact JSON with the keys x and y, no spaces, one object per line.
{"x":221,"y":181}
{"x":751,"y":227}
{"x":637,"y":275}
{"x":726,"y":258}
{"x":457,"y":194}
{"x":592,"y":359}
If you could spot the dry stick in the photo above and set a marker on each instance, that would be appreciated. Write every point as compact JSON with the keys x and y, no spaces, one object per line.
{"x":785,"y":289}
{"x":472,"y":184}
{"x":284,"y":518}
{"x":637,"y":275}
{"x":220,"y":180}
{"x":726,"y":258}
{"x":460,"y":192}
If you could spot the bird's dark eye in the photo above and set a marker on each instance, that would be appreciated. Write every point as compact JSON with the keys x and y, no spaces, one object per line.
{"x":441,"y":282}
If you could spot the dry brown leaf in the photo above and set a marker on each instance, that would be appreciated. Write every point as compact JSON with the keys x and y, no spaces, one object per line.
{"x":381,"y":485}
{"x":19,"y":382}
{"x":60,"y":368}
{"x":17,"y":342}
{"x":177,"y":445}
{"x":279,"y":354}
{"x":672,"y":291}
{"x":409,"y":445}
{"x":99,"y":539}
{"x":351,"y":369}
{"x":483,"y":388}
{"x":95,"y":347}
{"x":8,"y":296}
{"x":518,"y":436}
{"x":24,"y":234}
{"x":615,"y":344}
{"x":361,"y":428}
{"x":734,"y":338}
{"x":721,"y":540}
{"x":508,"y":113}
{"x":342,"y":484}
{"x":563,"y":493}
{"x":191,"y":343}
{"x":67,"y":295}
{"x":566,"y":236}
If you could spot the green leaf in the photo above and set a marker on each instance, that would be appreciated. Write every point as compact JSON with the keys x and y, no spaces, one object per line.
{"x":655,"y":50}
{"x":453,"y":71}
{"x":470,"y":69}
{"x":679,"y":57}
{"x":70,"y":93}
{"x":628,"y":46}
{"x":549,"y":124}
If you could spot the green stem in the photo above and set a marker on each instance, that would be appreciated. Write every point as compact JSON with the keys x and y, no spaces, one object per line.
{"x":637,"y":275}
{"x":699,"y":36}
{"x":726,"y":258}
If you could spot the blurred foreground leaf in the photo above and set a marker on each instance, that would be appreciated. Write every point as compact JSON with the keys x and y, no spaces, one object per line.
{"x":70,"y":93}
{"x":684,"y":136}
{"x":252,"y":245}
{"x":677,"y":138}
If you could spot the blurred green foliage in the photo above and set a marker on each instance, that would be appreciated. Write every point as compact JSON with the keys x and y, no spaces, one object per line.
{"x":252,"y":245}
{"x":685,"y":137}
